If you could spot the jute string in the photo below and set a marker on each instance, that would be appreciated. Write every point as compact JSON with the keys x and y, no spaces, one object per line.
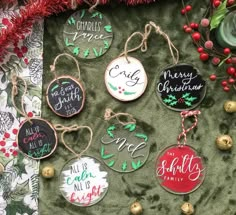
{"x":92,"y":7}
{"x":109,"y":114}
{"x":14,"y":93}
{"x":53,"y":66}
{"x":75,"y":127}
{"x":143,"y":45}
{"x":184,"y":115}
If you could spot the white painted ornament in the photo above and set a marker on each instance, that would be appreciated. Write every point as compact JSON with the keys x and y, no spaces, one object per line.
{"x":83,"y":181}
{"x":126,"y":80}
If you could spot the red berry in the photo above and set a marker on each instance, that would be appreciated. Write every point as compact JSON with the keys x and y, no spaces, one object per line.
{"x":188,"y":30}
{"x":6,"y":135}
{"x":16,"y":50}
{"x":212,"y":77}
{"x":204,"y":56}
{"x":234,"y":60}
{"x":230,"y":70}
{"x":183,"y":11}
{"x":192,"y":25}
{"x":19,"y":54}
{"x":200,"y":49}
{"x":2,"y":143}
{"x":5,"y":21}
{"x":14,"y":144}
{"x":231,"y":81}
{"x":30,"y":114}
{"x":3,"y":150}
{"x":196,"y":26}
{"x":26,"y":61}
{"x":184,"y":27}
{"x":226,"y":89}
{"x":24,"y":49}
{"x":7,"y":155}
{"x":228,"y":61}
{"x":196,"y":36}
{"x":188,"y":8}
{"x":216,"y":3}
{"x":227,"y":51}
{"x":230,"y":2}
{"x":224,"y":83}
{"x":205,"y":22}
{"x":215,"y":61}
{"x":14,"y":131}
{"x":208,"y":44}
{"x":15,"y":153}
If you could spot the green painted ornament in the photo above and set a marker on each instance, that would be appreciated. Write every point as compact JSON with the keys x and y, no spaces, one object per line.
{"x":87,"y":34}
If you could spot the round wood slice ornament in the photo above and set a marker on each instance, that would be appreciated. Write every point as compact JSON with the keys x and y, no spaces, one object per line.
{"x":179,"y":169}
{"x":37,"y":138}
{"x":181,"y":87}
{"x":83,"y":181}
{"x":65,"y":96}
{"x":125,"y":81}
{"x":124,"y":148}
{"x":87,"y":34}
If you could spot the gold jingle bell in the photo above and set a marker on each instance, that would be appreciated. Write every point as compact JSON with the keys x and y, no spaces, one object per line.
{"x":224,"y":142}
{"x":187,"y":208}
{"x":136,"y":208}
{"x":48,"y":171}
{"x":230,"y":106}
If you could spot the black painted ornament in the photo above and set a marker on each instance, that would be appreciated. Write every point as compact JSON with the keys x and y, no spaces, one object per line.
{"x":181,"y":87}
{"x":65,"y":96}
{"x":37,"y":138}
{"x":88,"y":34}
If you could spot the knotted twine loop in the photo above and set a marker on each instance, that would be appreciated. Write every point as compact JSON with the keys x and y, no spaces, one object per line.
{"x":109,"y":114}
{"x":143,"y":44}
{"x":74,"y":4}
{"x":14,"y":93}
{"x":92,"y":7}
{"x":75,"y":127}
{"x":53,"y":66}
{"x":170,"y":44}
{"x":184,"y":115}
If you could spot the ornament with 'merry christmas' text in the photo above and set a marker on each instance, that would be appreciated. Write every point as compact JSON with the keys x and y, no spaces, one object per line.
{"x":181,"y":87}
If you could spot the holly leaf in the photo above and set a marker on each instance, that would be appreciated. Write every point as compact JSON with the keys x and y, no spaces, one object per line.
{"x":111,"y":163}
{"x":188,"y":103}
{"x":100,"y":16}
{"x":76,"y":51}
{"x":124,"y":166}
{"x":86,"y":53}
{"x":82,"y":14}
{"x":129,"y":93}
{"x":101,"y":51}
{"x":142,"y":136}
{"x":167,"y":101}
{"x":136,"y":165}
{"x":106,"y":44}
{"x":173,"y":103}
{"x":172,"y":97}
{"x":68,"y":43}
{"x":108,"y":28}
{"x":112,"y":87}
{"x":191,"y":99}
{"x":95,"y":14}
{"x":105,"y":156}
{"x":130,"y":127}
{"x":95,"y":52}
{"x":185,"y":95}
{"x":111,"y":128}
{"x":218,"y":15}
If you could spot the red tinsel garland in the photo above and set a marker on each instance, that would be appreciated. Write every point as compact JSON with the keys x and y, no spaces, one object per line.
{"x":22,"y":22}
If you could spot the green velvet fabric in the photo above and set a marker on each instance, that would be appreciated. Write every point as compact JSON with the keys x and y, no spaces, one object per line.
{"x":217,"y":193}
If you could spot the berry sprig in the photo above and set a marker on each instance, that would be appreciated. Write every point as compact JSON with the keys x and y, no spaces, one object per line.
{"x":200,"y":34}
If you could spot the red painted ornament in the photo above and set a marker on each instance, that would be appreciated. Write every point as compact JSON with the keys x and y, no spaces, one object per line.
{"x":196,"y":26}
{"x":179,"y":169}
{"x":224,"y":83}
{"x":204,"y":56}
{"x":231,"y":81}
{"x":215,"y":61}
{"x":200,"y":49}
{"x":230,"y":70}
{"x":192,"y":25}
{"x":184,"y":27}
{"x":228,"y":61}
{"x":188,"y":8}
{"x":196,"y":36}
{"x":183,"y":11}
{"x":188,"y":30}
{"x":226,"y":89}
